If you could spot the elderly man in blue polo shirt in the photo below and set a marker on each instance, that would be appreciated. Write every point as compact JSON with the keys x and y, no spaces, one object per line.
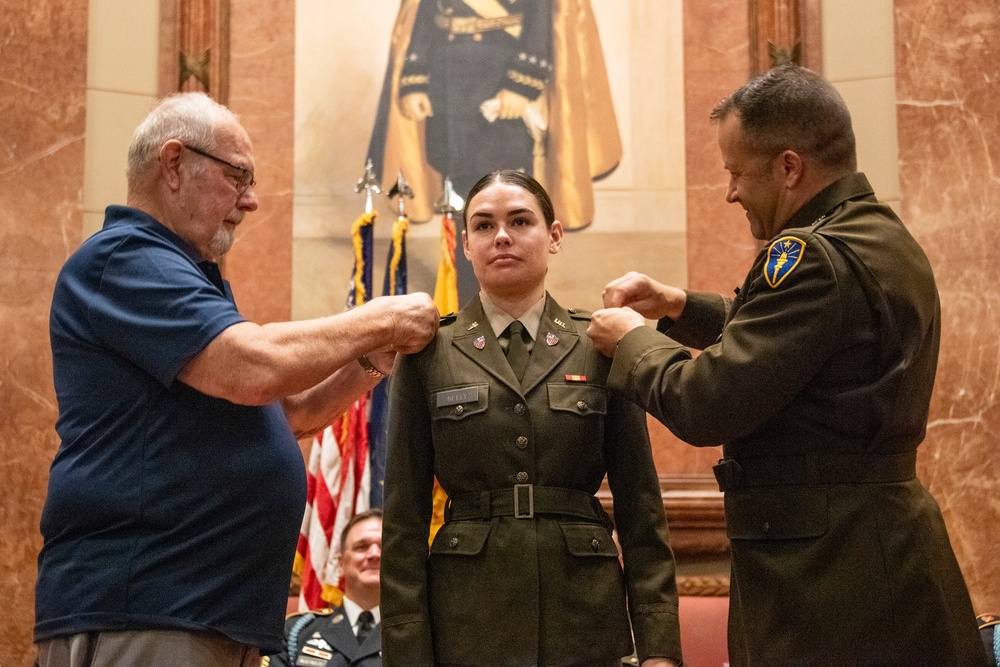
{"x":177,"y":491}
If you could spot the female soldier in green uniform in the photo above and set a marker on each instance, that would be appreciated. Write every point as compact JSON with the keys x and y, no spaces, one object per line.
{"x":520,"y":430}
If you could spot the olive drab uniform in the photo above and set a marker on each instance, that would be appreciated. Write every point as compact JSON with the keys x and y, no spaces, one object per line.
{"x":525,"y":570}
{"x":325,"y":638}
{"x":817,"y":380}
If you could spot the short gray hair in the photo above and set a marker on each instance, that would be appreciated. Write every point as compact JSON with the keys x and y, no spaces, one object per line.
{"x":191,"y":118}
{"x":792,"y":108}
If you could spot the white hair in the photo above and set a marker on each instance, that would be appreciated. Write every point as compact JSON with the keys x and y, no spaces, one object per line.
{"x":191,"y":118}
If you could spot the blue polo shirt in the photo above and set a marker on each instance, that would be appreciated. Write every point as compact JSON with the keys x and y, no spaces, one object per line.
{"x":167,"y":508}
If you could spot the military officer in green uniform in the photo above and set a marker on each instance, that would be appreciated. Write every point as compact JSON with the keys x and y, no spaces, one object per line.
{"x":509,"y":408}
{"x":816,"y":380}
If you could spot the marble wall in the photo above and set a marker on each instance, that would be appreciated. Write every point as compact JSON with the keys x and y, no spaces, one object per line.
{"x":947,"y":77}
{"x":42,"y":107}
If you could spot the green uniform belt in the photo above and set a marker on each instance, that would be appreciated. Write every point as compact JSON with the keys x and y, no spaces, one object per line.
{"x":812,"y":469}
{"x":524,"y":501}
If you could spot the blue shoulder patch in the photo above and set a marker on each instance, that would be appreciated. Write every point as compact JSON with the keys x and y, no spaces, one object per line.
{"x":783,"y":256}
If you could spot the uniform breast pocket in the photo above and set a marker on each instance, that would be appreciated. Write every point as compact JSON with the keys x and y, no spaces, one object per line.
{"x":459,"y":403}
{"x":582,"y":400}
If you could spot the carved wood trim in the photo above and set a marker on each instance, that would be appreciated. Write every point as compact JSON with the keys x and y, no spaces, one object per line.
{"x":194,"y":47}
{"x":709,"y":586}
{"x":693,"y":504}
{"x":784,"y":31}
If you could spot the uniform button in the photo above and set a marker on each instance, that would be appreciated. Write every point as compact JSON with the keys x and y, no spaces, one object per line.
{"x":581,"y":405}
{"x":522,"y":477}
{"x":459,"y":409}
{"x":477,"y":37}
{"x":453,"y":542}
{"x":595,"y":544}
{"x":522,"y":442}
{"x":519,"y":409}
{"x":766,"y":526}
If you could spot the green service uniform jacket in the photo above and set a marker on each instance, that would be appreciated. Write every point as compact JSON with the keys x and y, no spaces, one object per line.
{"x":817,"y":381}
{"x":525,"y":570}
{"x":325,"y":638}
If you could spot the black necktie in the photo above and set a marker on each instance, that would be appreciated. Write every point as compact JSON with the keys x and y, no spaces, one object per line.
{"x":517,"y":349}
{"x":366,"y":621}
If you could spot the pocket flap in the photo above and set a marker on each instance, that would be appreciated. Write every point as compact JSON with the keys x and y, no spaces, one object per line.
{"x":589,"y":539}
{"x":578,"y":398}
{"x":776,"y":513}
{"x":461,"y":538}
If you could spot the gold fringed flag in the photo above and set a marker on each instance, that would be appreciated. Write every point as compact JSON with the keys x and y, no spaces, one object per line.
{"x":394,"y":284}
{"x":339,"y":470}
{"x":446,"y":287}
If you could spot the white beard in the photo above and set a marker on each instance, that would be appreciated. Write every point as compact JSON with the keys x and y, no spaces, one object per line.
{"x":222,"y":242}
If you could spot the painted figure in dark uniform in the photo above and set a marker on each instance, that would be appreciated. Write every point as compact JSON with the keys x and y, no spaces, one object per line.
{"x":478,"y":85}
{"x":464,"y":55}
{"x":509,"y":408}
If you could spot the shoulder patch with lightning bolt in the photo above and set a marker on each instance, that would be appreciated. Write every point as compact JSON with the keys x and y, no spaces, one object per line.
{"x":783,"y":256}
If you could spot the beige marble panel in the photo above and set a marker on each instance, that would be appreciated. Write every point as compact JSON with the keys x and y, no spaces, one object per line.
{"x":872,"y":103}
{"x":857,"y":39}
{"x":947,"y":73}
{"x":42,"y":103}
{"x":123,"y":46}
{"x":111,"y":120}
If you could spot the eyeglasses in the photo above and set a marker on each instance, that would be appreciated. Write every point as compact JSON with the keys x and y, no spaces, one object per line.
{"x":245,"y":179}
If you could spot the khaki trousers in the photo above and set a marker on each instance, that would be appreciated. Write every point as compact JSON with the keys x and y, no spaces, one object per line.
{"x":139,"y":648}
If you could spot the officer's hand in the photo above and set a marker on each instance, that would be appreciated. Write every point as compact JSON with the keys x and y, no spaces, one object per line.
{"x":414,"y":320}
{"x":641,"y":293}
{"x":608,"y":326}
{"x":416,"y":106}
{"x":512,"y":105}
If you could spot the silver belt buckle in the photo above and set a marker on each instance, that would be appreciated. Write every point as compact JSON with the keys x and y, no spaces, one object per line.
{"x":530,"y":512}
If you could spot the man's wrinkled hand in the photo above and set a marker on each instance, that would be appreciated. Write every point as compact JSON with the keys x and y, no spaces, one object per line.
{"x":608,"y":326}
{"x":415,"y":321}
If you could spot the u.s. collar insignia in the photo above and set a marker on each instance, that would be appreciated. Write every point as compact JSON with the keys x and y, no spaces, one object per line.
{"x":551,"y":339}
{"x":783,"y":256}
{"x":479,"y":343}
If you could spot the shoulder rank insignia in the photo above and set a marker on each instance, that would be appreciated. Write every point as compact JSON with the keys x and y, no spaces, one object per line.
{"x":783,"y":256}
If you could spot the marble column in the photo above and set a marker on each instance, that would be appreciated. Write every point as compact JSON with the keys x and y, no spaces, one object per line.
{"x":42,"y":103}
{"x":947,"y":74}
